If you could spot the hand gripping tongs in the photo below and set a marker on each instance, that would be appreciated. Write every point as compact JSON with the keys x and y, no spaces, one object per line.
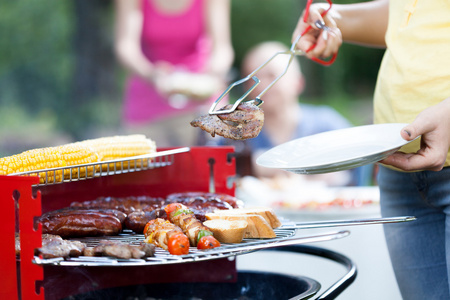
{"x":252,"y":76}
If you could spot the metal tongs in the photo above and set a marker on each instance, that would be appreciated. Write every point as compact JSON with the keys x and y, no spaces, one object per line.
{"x":252,"y":76}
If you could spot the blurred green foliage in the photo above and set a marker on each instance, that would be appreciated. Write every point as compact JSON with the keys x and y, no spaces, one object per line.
{"x":36,"y":58}
{"x":55,"y":87}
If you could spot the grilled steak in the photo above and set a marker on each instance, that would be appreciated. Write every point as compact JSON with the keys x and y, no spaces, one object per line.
{"x":54,"y":246}
{"x":244,"y":123}
{"x":120,"y":250}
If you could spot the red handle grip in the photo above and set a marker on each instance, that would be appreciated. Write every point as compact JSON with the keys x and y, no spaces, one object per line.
{"x":327,"y":62}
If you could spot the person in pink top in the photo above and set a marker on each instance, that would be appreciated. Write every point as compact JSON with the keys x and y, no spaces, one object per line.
{"x":178,"y":54}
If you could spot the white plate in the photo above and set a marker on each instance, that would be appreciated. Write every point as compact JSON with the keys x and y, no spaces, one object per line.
{"x":335,"y":150}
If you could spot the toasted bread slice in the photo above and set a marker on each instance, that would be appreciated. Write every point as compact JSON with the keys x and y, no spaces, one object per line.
{"x":227,"y":231}
{"x":266,"y":212}
{"x":257,"y":226}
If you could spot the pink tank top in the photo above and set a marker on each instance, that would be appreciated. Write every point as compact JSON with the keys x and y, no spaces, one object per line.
{"x":179,"y":39}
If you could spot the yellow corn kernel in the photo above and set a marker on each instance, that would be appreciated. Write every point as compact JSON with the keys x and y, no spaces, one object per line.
{"x":44,"y":158}
{"x":32,"y":160}
{"x":77,"y":154}
{"x":118,"y":147}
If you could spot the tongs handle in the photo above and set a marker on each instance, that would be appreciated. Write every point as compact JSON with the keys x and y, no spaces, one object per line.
{"x":336,"y":223}
{"x":292,"y":52}
{"x":329,"y":61}
{"x":323,"y":62}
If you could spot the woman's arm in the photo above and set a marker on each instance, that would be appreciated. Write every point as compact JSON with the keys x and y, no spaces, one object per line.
{"x":362,"y":23}
{"x":127,"y":44}
{"x":218,"y":26}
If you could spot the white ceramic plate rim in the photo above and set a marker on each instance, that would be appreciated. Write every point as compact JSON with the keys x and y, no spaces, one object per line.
{"x":280,"y":157}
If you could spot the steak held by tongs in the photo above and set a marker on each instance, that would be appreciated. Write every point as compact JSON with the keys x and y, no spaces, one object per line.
{"x":243,"y":123}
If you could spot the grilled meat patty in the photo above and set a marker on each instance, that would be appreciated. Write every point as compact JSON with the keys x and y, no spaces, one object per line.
{"x":244,"y":123}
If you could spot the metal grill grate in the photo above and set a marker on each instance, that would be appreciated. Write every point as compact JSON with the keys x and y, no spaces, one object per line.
{"x":284,"y":237}
{"x":106,"y":168}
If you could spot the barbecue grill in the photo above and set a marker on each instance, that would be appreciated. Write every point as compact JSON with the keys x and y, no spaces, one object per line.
{"x":207,"y":169}
{"x":248,"y":284}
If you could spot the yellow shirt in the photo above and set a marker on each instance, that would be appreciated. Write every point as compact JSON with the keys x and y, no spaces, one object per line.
{"x":415,"y":71}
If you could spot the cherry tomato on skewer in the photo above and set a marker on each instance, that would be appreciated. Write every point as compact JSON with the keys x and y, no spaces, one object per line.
{"x":208,"y":242}
{"x":146,"y":228}
{"x":172,"y":207}
{"x":178,"y":244}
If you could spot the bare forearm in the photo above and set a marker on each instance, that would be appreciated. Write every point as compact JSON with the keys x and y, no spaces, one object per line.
{"x":363,"y":23}
{"x":134,"y":61}
{"x":218,"y":20}
{"x":127,"y":38}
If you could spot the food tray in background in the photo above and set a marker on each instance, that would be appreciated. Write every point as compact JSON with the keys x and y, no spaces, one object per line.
{"x":291,"y":197}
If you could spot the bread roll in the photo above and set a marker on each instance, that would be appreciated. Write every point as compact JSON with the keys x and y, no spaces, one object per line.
{"x":257,"y":227}
{"x":267,"y":213}
{"x":227,"y":231}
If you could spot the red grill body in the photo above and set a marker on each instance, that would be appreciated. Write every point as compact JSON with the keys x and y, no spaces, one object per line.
{"x":23,"y":201}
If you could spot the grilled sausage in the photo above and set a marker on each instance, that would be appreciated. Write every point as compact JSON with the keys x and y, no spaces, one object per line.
{"x":124,"y":204}
{"x":72,"y":222}
{"x":204,"y":201}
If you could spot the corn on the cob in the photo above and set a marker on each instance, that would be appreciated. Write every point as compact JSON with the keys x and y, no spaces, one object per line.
{"x":117,"y":147}
{"x":79,"y":153}
{"x":37,"y":159}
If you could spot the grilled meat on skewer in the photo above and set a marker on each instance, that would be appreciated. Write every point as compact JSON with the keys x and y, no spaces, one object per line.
{"x":244,"y":123}
{"x":181,"y":216}
{"x":166,"y":235}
